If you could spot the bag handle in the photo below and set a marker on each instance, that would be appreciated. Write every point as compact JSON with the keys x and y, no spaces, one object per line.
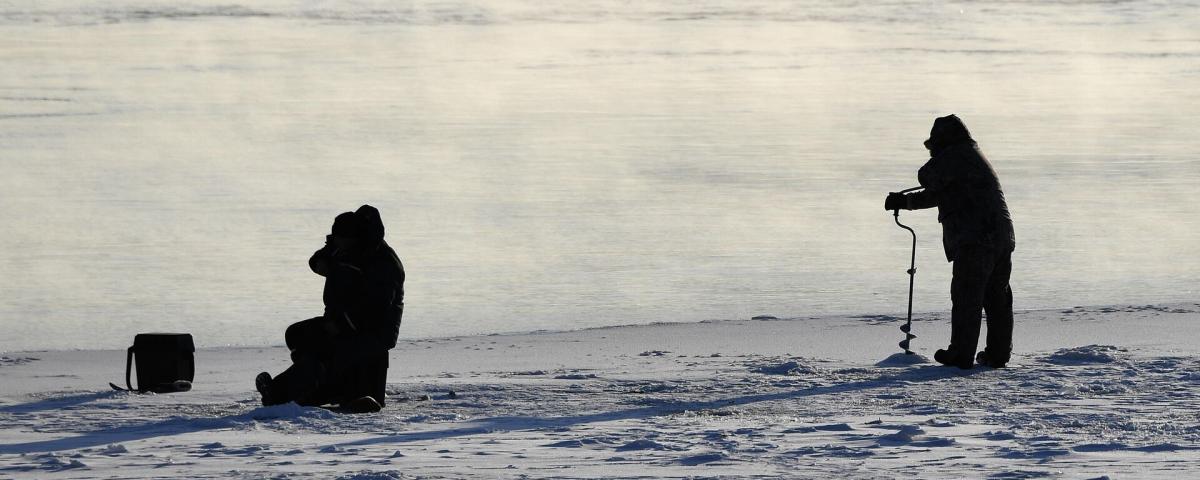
{"x":128,"y":368}
{"x":128,"y":371}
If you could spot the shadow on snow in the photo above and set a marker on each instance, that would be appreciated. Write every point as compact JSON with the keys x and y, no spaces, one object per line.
{"x":177,"y":425}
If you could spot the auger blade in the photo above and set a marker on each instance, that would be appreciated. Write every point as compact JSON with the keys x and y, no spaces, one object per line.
{"x":906,"y":328}
{"x":904,"y":344}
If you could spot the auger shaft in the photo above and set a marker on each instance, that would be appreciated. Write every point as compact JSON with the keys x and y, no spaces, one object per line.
{"x":912,"y":272}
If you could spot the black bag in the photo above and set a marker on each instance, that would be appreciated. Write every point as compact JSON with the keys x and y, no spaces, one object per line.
{"x":165,"y":363}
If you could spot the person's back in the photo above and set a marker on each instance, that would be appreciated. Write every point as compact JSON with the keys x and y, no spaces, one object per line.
{"x":383,"y":292}
{"x":962,"y":184}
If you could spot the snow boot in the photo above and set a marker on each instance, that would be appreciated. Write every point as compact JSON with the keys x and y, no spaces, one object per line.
{"x":362,"y":405}
{"x":990,"y":359}
{"x":951,"y":359}
{"x":262,"y":383}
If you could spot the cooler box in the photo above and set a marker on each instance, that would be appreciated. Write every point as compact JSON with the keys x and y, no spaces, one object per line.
{"x":165,"y":362}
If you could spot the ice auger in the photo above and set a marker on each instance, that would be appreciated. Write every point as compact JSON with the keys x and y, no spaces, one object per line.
{"x":912,"y":272}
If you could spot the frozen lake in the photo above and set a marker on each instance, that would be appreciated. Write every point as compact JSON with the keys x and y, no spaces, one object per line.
{"x":559,"y":165}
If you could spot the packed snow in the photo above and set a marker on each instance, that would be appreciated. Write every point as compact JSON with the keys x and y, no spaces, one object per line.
{"x":1091,"y":393}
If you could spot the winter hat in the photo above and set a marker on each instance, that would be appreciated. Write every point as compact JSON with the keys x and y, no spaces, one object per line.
{"x":946,"y":131}
{"x":347,"y":224}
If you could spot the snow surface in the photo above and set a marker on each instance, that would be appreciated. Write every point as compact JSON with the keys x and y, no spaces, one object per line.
{"x":1093,"y":392}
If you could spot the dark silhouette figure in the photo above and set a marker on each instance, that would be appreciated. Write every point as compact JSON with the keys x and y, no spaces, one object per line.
{"x":341,"y":356}
{"x":977,"y":234}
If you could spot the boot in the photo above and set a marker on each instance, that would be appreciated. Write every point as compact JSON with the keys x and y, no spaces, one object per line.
{"x":991,"y":359}
{"x":262,"y":383}
{"x":950,"y":358}
{"x":362,"y":405}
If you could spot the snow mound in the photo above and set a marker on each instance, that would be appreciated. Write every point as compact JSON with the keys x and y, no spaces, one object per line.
{"x":1085,"y":355}
{"x":114,"y":449}
{"x":792,"y":367}
{"x":907,"y":434}
{"x":902,"y":359}
{"x":289,"y":410}
{"x":53,"y":462}
{"x":999,"y":436}
{"x":368,"y":475}
{"x":834,"y":427}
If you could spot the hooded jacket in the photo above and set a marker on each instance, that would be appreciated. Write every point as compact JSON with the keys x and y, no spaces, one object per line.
{"x":364,"y":288}
{"x":960,"y":182}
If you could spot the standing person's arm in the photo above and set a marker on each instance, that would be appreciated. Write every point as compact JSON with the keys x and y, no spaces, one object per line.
{"x":935,"y":177}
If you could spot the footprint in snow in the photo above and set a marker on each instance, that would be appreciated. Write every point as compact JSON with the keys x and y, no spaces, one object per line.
{"x":702,"y":459}
{"x":642,"y":444}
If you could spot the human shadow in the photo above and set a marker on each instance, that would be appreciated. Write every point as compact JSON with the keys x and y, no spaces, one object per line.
{"x":179,"y":426}
{"x":511,"y":423}
{"x":127,"y":433}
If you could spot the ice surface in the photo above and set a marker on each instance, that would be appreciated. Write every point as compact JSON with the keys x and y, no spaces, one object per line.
{"x":760,"y":409}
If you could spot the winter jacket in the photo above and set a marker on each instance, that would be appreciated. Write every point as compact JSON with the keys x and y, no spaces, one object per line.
{"x":960,"y":182}
{"x":364,"y":289}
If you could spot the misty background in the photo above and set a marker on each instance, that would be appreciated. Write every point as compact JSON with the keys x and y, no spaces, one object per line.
{"x":170,"y":166}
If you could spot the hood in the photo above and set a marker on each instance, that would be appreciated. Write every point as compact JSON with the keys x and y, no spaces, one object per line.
{"x":370,"y":223}
{"x":948,"y":130}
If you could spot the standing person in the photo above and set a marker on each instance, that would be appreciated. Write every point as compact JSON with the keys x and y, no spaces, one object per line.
{"x":341,"y":356}
{"x":977,"y":234}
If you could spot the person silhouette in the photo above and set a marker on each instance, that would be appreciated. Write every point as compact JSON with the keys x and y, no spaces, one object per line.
{"x":977,"y":236}
{"x":341,"y":356}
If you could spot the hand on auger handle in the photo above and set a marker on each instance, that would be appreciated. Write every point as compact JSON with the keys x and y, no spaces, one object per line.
{"x":912,"y":272}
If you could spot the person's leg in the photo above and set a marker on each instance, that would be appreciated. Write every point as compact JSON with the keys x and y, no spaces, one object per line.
{"x":299,"y":382}
{"x":308,"y":342}
{"x":306,"y":334}
{"x":967,"y":289}
{"x":997,"y":304}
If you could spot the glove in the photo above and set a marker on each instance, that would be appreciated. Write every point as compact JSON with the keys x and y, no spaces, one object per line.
{"x":895,"y":201}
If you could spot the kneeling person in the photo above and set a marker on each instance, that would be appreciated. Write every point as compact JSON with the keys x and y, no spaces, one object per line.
{"x":341,"y":356}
